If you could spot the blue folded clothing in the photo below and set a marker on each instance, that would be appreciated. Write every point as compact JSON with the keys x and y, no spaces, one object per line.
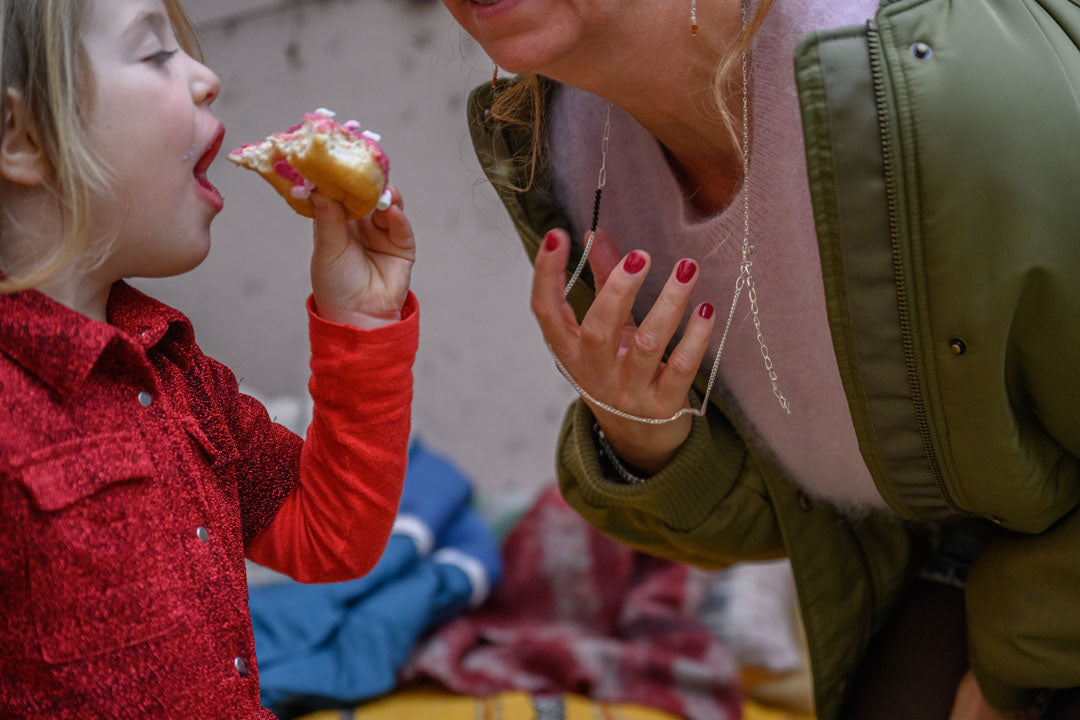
{"x":337,"y":643}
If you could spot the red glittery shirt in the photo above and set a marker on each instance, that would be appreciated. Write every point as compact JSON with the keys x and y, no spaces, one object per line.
{"x":134,"y":478}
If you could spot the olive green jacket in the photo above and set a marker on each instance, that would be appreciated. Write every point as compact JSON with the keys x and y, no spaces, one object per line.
{"x":943,"y":154}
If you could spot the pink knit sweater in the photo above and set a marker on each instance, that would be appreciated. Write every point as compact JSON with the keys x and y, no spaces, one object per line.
{"x":644,"y":207}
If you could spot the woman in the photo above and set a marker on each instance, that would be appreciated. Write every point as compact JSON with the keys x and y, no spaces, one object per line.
{"x":896,"y":385}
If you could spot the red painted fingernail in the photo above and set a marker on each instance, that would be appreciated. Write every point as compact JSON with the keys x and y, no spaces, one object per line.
{"x":705,"y":311}
{"x":634,"y":262}
{"x":551,"y":240}
{"x":685,"y":272}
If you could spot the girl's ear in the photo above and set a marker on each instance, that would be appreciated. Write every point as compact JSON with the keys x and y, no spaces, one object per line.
{"x":22,"y":158}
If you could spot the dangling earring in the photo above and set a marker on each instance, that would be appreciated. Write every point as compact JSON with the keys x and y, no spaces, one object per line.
{"x":494,"y":75}
{"x":693,"y":18}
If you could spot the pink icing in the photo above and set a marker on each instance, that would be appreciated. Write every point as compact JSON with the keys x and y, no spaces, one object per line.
{"x":384,"y":162}
{"x":324,"y":124}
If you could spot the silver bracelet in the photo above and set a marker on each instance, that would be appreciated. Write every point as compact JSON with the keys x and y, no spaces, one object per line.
{"x":613,"y":458}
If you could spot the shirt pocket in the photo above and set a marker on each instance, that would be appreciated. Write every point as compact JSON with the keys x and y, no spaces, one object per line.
{"x":214,"y":442}
{"x":105,"y":564}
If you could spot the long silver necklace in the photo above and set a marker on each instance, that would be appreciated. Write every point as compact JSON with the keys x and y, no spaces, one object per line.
{"x":744,"y":281}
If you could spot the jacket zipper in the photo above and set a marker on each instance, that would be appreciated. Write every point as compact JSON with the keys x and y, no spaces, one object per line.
{"x":925,"y":423}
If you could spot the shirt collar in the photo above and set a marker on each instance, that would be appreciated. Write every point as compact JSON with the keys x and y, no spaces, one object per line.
{"x":61,"y":346}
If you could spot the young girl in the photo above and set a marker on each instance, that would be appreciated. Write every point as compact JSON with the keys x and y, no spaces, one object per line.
{"x":134,"y":476}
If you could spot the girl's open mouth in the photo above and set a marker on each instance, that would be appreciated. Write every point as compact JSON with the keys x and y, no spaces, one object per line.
{"x":204,"y":164}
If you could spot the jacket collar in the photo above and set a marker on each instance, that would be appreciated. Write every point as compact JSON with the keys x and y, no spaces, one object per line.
{"x":60,"y":346}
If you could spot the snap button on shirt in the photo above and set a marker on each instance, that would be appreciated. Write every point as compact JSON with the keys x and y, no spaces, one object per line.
{"x":202,"y":533}
{"x":145,"y":399}
{"x":241,"y":666}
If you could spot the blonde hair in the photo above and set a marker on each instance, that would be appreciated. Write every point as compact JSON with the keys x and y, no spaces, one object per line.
{"x":521,"y":105}
{"x":41,"y":57}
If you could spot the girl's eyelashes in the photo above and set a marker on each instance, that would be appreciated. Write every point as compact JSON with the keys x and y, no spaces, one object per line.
{"x":160,"y":57}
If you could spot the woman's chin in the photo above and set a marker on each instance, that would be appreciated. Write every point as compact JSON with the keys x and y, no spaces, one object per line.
{"x":519,"y":55}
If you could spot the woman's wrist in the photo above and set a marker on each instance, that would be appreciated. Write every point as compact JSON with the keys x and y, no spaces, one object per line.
{"x":621,"y":469}
{"x":647,"y":448}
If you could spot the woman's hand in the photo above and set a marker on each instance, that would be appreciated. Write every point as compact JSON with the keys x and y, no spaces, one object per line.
{"x":616,"y":361}
{"x":360,"y":269}
{"x":971,"y":705}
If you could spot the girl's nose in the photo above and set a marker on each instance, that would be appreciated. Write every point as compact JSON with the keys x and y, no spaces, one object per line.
{"x":205,"y":85}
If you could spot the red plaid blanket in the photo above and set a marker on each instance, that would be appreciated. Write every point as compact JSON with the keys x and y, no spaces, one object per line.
{"x":578,"y":612}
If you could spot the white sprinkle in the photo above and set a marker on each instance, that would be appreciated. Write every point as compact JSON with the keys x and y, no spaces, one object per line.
{"x":301,"y":192}
{"x":374,"y":136}
{"x":327,"y":113}
{"x":385,"y":200}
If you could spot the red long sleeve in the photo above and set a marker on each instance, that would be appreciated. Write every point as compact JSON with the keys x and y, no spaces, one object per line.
{"x":335,"y":523}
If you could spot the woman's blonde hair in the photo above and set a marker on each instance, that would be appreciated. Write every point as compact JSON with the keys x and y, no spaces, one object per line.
{"x":521,"y":105}
{"x":42,"y":58}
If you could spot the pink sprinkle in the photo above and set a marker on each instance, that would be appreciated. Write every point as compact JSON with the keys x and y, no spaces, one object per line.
{"x":285,"y":170}
{"x":351,"y":125}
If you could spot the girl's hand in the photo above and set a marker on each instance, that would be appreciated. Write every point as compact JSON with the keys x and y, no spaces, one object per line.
{"x":360,"y":269}
{"x":971,"y":705}
{"x":616,"y":361}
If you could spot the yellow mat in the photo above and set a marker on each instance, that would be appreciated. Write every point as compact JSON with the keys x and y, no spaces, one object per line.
{"x":429,"y":704}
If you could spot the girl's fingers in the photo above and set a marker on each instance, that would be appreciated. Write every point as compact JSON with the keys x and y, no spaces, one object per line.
{"x":331,"y":229}
{"x":396,"y":198}
{"x":556,"y":317}
{"x":601,"y":330}
{"x":399,"y":229}
{"x":395,"y":238}
{"x":603,"y":258}
{"x":685,"y":360}
{"x":379,"y":217}
{"x":652,"y":337}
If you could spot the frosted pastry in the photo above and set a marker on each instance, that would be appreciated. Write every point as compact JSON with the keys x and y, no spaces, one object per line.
{"x":339,"y":161}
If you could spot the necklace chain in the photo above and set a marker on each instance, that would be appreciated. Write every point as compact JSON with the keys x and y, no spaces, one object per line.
{"x":744,"y":281}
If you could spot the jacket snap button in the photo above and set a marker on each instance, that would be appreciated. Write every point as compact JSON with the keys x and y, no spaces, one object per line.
{"x":241,"y":666}
{"x":145,"y":399}
{"x":921,"y":51}
{"x":957,"y":346}
{"x":202,"y":533}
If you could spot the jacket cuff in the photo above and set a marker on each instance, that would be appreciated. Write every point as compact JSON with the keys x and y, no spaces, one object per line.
{"x":682,"y":495}
{"x":999,"y":693}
